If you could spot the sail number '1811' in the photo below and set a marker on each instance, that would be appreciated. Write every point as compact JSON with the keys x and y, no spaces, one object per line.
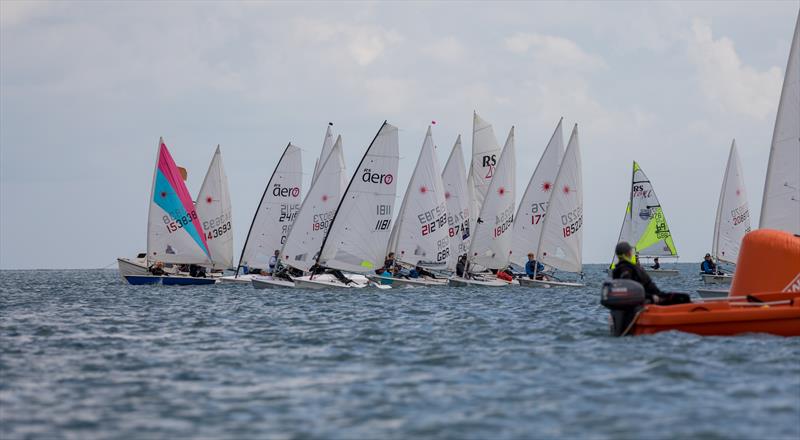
{"x":383,"y":224}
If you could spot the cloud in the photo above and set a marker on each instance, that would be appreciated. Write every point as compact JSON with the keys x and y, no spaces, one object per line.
{"x":448,"y":49}
{"x":363,"y":43}
{"x":728,"y":83}
{"x":554,"y":51}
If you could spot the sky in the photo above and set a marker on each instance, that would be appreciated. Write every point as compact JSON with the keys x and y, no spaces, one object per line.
{"x":87,"y":89}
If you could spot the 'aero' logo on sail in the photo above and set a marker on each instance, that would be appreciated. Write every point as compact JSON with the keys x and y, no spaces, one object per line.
{"x":279,"y":191}
{"x":369,"y":176}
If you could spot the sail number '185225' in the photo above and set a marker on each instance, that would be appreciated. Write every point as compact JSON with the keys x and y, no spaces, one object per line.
{"x":572,"y":221}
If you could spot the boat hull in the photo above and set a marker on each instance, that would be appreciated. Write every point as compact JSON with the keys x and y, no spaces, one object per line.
{"x":241,"y":279}
{"x":661,"y":273}
{"x":774,"y":313}
{"x":408,"y":282}
{"x":713,"y":293}
{"x":716,"y":279}
{"x":263,"y":282}
{"x":464,"y":282}
{"x":327,"y":281}
{"x":142,"y":280}
{"x":129,"y":267}
{"x":527,"y":282}
{"x":139,"y":280}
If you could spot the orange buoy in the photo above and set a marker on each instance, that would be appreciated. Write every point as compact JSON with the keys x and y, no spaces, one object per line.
{"x":769,"y":261}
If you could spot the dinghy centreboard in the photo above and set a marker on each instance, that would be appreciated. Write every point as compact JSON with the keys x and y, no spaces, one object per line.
{"x":420,"y":234}
{"x":561,"y":241}
{"x":780,"y":207}
{"x":456,"y":196}
{"x":359,"y":232}
{"x":732,"y":221}
{"x":494,"y":226}
{"x":533,"y":206}
{"x":174,"y":232}
{"x":275,"y":213}
{"x":645,"y":226}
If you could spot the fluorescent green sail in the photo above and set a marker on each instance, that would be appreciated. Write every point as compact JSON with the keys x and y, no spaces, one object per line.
{"x":657,"y":231}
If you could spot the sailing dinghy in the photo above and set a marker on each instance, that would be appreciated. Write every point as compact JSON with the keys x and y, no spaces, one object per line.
{"x":358,"y":233}
{"x":420,"y":234}
{"x":645,"y":226}
{"x":732,"y":221}
{"x":454,"y":179}
{"x":316,"y":212}
{"x":560,"y":243}
{"x":213,"y":205}
{"x":273,"y":218}
{"x":491,"y":244}
{"x":483,"y":164}
{"x":174,"y":232}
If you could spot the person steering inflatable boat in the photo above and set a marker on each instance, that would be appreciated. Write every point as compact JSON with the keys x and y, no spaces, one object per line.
{"x":628,"y":269}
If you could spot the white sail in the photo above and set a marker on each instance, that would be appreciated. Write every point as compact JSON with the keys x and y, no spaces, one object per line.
{"x":213,"y":205}
{"x":457,"y":198}
{"x":733,"y":213}
{"x":327,"y":147}
{"x":174,"y":233}
{"x":276,"y":211}
{"x":648,"y":231}
{"x":421,"y":228}
{"x":624,"y":231}
{"x":359,"y":232}
{"x":491,"y":243}
{"x":533,"y":206}
{"x":485,"y":153}
{"x":780,"y":208}
{"x":316,"y":212}
{"x":561,"y":243}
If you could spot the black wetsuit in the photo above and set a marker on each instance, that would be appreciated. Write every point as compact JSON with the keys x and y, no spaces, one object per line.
{"x":629,"y":271}
{"x":460,"y":268}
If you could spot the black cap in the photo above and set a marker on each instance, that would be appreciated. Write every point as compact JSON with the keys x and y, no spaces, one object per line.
{"x":623,"y":248}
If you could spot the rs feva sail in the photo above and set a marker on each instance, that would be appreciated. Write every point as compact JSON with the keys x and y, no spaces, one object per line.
{"x":327,"y":146}
{"x":456,"y":196}
{"x":733,"y":213}
{"x":359,"y":232}
{"x":276,"y":211}
{"x":174,"y":233}
{"x":316,"y":212}
{"x":533,"y":206}
{"x":213,"y":206}
{"x":648,"y":231}
{"x":420,"y":235}
{"x":780,"y":208}
{"x":485,"y":153}
{"x":491,"y":243}
{"x":561,"y":242}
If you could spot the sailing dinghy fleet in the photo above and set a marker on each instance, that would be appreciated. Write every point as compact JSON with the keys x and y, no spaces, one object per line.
{"x":453,"y":227}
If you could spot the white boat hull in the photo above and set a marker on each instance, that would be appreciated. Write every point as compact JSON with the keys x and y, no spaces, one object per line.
{"x":328,"y":281}
{"x":241,"y":279}
{"x":661,"y":273}
{"x":130,"y":267}
{"x":409,"y":282}
{"x":266,"y":282}
{"x":527,"y":282}
{"x":485,"y":282}
{"x":716,"y":279}
{"x":712,"y":293}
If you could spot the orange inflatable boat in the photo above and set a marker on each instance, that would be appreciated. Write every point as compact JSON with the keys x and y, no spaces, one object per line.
{"x":764,"y":296}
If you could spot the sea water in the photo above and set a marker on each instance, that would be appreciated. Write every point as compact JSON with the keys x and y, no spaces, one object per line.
{"x":82,"y":355}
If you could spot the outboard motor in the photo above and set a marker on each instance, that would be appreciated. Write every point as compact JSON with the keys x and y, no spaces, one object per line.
{"x":624,"y":298}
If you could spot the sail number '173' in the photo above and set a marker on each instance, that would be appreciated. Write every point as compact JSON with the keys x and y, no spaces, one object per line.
{"x":572,"y":221}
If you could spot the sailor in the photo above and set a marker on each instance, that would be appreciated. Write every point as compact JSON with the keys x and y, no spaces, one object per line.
{"x":533,"y":266}
{"x":273,"y":262}
{"x":627,"y":268}
{"x":461,"y":266}
{"x":422,"y":272}
{"x":390,"y":262}
{"x":708,"y":266}
{"x":158,"y":269}
{"x":656,"y":265}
